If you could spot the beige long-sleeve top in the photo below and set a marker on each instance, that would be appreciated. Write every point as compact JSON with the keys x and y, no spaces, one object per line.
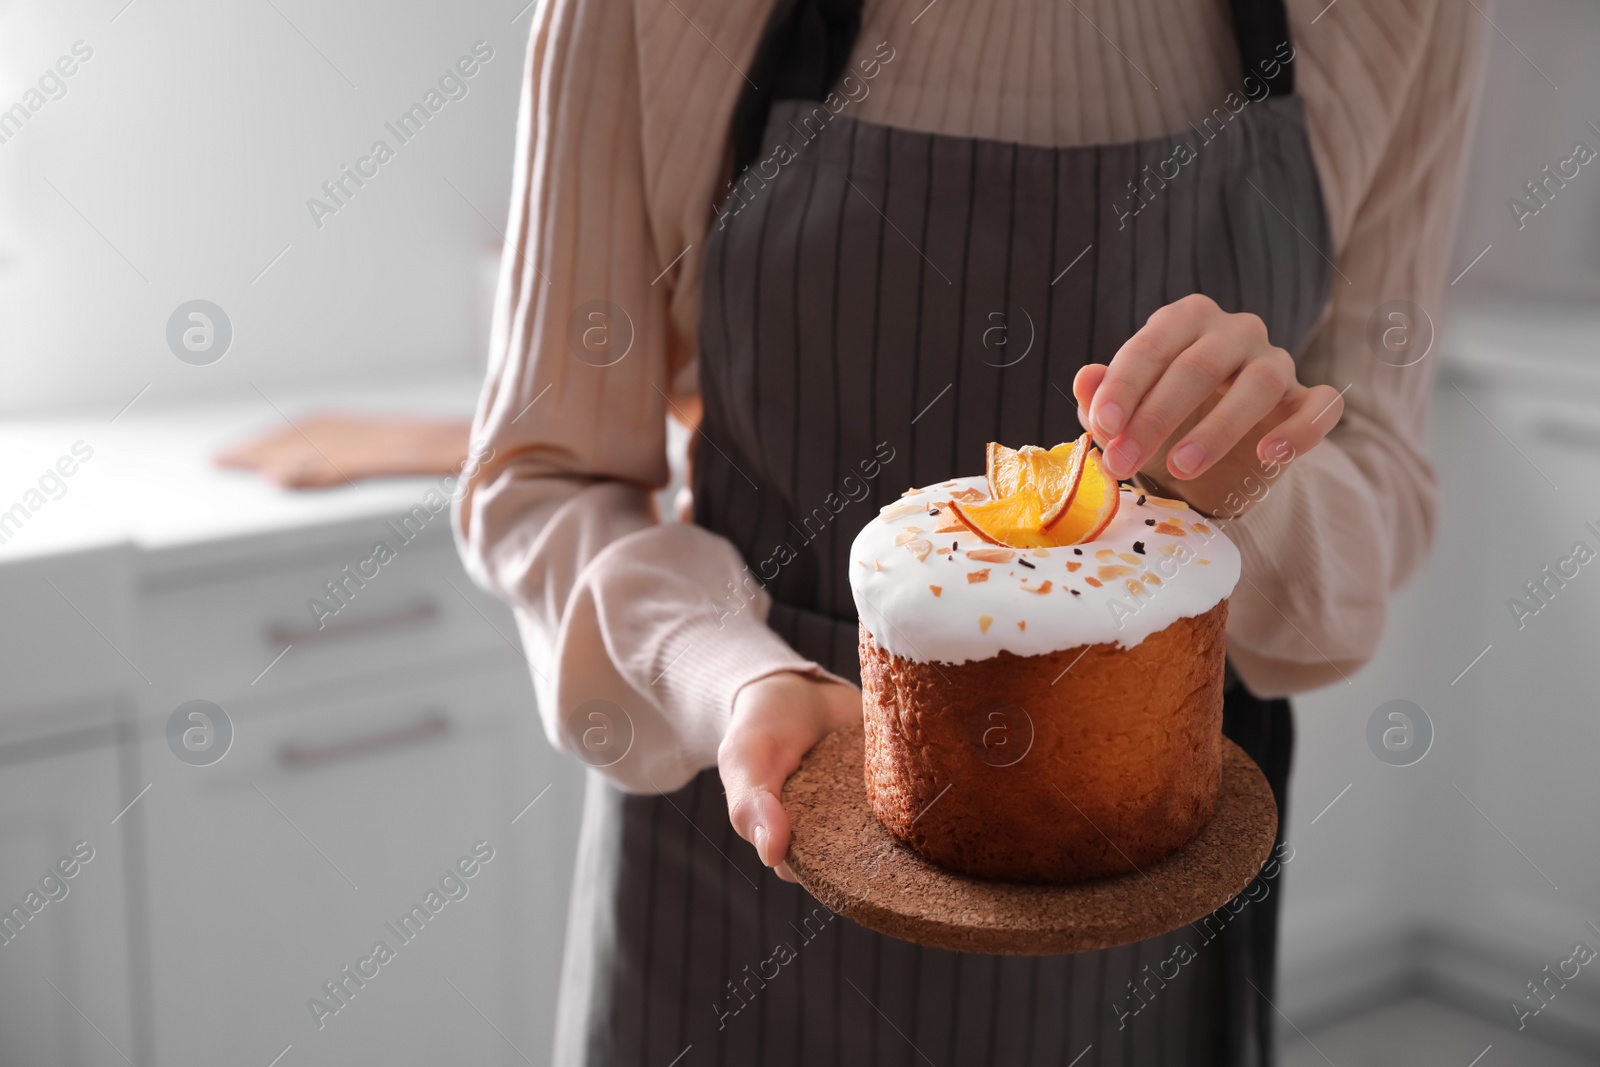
{"x":621,"y":153}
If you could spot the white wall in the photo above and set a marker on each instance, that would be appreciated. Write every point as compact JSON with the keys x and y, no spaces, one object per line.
{"x":191,"y":141}
{"x":1524,"y":125}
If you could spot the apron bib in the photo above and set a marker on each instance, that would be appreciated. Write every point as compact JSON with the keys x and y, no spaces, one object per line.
{"x":878,"y":304}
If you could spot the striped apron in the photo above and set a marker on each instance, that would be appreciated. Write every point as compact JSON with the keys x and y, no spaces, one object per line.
{"x":878,"y":304}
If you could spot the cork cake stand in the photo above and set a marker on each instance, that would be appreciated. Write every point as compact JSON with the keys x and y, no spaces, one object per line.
{"x":845,"y":858}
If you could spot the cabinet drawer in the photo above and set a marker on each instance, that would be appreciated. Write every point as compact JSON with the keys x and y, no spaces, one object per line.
{"x":283,"y":629}
{"x":327,"y":820}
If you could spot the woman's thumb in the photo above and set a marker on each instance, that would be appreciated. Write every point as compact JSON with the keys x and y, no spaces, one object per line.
{"x":753,"y":780}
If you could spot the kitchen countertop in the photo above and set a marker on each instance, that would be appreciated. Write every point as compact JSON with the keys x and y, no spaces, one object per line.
{"x":1520,"y":346}
{"x":150,"y":482}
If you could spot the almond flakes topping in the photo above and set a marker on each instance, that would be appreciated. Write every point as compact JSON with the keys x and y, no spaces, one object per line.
{"x":1042,"y":588}
{"x":1112,"y":571}
{"x":973,"y":577}
{"x":984,"y":622}
{"x":919,"y":547}
{"x":991,"y":555}
{"x":892,"y":512}
{"x":938,"y":590}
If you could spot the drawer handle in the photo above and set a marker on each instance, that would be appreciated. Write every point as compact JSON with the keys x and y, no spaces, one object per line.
{"x":1571,"y":434}
{"x":280,"y":634}
{"x":299,"y":756}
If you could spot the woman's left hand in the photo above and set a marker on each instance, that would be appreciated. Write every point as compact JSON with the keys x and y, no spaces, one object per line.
{"x":1200,"y":399}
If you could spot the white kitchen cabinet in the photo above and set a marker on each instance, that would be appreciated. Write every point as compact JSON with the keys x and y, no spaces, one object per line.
{"x":284,"y":862}
{"x":1443,"y":874}
{"x":213,"y":631}
{"x":370,"y":758}
{"x":1537,"y":683}
{"x":67,"y":966}
{"x":66,"y":989}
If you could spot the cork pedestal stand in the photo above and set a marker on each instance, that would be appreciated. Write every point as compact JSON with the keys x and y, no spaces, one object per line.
{"x":845,"y":858}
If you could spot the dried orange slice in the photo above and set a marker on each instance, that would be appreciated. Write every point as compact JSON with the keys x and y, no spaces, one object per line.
{"x":1006,"y":469}
{"x":1053,"y":473}
{"x":1093,"y":506}
{"x":1057,"y":475}
{"x":1041,"y":498}
{"x":1013,"y":520}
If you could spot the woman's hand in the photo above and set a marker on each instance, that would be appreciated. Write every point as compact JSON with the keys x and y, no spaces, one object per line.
{"x":330,"y":450}
{"x":775,"y":722}
{"x":1200,"y":399}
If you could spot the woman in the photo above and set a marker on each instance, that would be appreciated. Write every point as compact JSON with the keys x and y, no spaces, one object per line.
{"x":842,"y":237}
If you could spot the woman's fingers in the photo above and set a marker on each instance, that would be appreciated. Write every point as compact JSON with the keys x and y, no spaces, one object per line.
{"x":1205,"y":392}
{"x":1255,"y":392}
{"x":1086,"y":381}
{"x":1191,"y":380}
{"x":1141,"y":362}
{"x":1084,"y":385}
{"x":756,"y":813}
{"x":769,"y":825}
{"x":1316,"y":410}
{"x":752,"y":765}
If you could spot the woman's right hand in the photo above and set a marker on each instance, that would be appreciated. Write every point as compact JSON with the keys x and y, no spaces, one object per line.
{"x":775,"y":722}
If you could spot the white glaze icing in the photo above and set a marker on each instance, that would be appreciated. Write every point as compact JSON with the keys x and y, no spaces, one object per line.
{"x":894,"y":595}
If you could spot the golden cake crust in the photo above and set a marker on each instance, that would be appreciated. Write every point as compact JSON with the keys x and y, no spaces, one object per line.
{"x":1076,"y":764}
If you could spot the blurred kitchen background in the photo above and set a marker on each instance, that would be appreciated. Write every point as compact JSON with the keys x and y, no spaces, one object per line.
{"x":364,"y":760}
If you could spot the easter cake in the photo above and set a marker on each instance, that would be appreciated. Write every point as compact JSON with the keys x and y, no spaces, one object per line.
{"x":1042,"y":668}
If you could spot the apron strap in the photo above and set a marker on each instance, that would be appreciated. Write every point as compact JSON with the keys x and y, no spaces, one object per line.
{"x":1261,"y":28}
{"x":807,"y":43}
{"x":802,"y":53}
